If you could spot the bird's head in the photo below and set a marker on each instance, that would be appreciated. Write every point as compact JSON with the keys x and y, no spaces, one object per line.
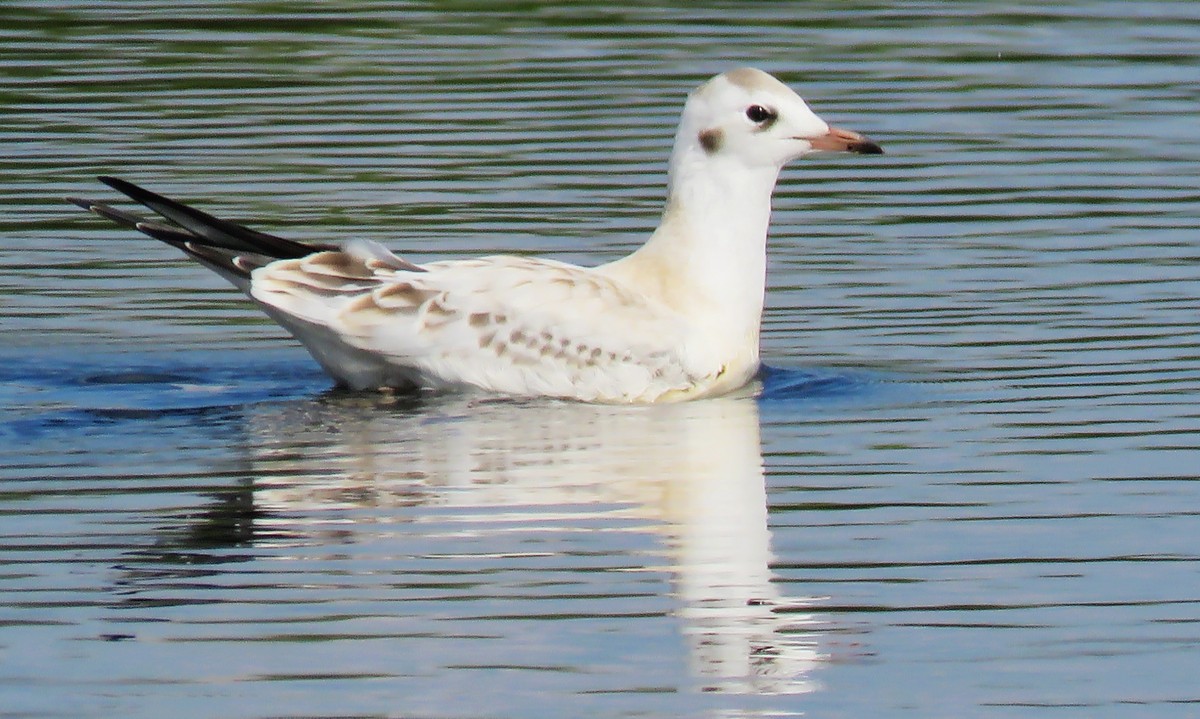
{"x":748,"y":116}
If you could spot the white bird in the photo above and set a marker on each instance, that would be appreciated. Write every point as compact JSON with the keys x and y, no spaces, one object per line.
{"x":677,"y":319}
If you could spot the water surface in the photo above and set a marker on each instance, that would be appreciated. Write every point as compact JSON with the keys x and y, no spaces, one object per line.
{"x":967,"y":486}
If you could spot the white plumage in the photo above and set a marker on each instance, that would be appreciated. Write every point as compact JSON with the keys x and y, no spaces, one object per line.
{"x":677,"y":319}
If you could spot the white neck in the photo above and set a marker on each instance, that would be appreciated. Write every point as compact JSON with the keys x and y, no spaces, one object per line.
{"x":708,"y":257}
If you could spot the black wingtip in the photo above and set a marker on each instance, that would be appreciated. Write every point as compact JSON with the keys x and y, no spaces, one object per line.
{"x":85,"y":204}
{"x":210,"y":229}
{"x":146,"y":197}
{"x":126,"y":187}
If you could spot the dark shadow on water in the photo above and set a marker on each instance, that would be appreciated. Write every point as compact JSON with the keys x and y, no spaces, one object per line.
{"x":56,"y":393}
{"x":816,"y":386}
{"x":69,"y":393}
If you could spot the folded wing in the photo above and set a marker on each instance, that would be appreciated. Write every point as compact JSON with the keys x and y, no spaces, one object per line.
{"x":506,"y":324}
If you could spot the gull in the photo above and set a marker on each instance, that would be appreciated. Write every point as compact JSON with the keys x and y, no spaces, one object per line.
{"x":677,"y":319}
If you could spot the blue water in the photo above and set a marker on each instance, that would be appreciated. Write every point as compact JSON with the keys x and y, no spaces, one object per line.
{"x":965,"y":485}
{"x":47,"y":390}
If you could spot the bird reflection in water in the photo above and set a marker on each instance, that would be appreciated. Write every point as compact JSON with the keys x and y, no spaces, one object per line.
{"x":691,"y":472}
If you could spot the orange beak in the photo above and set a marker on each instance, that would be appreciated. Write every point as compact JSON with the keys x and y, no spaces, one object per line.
{"x":839,"y":140}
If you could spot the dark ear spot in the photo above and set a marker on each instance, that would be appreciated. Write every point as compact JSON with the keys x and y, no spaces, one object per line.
{"x":711,"y":140}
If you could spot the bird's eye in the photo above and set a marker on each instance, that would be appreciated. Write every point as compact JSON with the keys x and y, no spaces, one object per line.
{"x":759,"y":114}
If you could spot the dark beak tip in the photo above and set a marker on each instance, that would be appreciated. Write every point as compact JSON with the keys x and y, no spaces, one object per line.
{"x":866,"y":147}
